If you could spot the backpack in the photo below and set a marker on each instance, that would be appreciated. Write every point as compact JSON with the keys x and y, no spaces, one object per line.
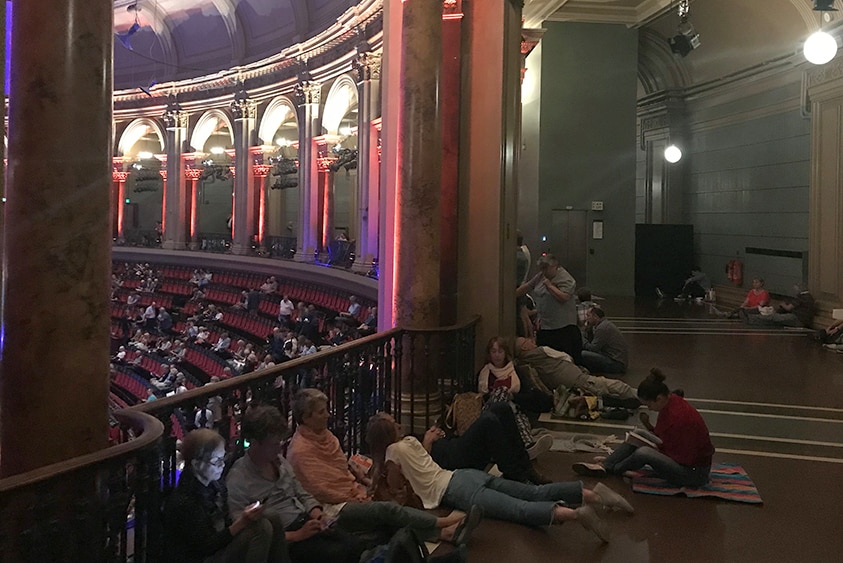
{"x":464,"y":410}
{"x":406,"y":547}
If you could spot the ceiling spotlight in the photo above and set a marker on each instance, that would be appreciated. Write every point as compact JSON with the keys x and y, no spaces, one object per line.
{"x":686,"y":39}
{"x":824,"y":6}
{"x":672,"y":154}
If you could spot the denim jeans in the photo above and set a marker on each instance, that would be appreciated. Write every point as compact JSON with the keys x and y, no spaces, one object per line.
{"x":627,"y":457}
{"x":598,"y":363}
{"x":510,"y":500}
{"x":377,"y":520}
{"x":776,"y":319}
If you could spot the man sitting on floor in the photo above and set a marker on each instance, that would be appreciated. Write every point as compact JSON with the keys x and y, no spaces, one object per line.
{"x":556,"y":368}
{"x":263,"y":475}
{"x":604,"y":349}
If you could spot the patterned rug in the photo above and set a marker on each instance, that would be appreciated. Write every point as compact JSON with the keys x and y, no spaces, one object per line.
{"x":728,"y":481}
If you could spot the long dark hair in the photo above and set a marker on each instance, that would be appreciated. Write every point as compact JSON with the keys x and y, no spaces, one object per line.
{"x":380,"y":433}
{"x":653,"y":386}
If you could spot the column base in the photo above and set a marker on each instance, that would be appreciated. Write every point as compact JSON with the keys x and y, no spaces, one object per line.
{"x":241,"y":249}
{"x":426,"y":409}
{"x":169,"y":245}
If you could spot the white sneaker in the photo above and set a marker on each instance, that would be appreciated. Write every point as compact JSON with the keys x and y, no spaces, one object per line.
{"x":832,"y":346}
{"x":542,"y":444}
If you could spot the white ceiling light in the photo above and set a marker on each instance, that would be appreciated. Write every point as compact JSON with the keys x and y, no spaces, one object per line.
{"x":217,"y":150}
{"x":820,"y":48}
{"x":145,"y":155}
{"x":672,"y":154}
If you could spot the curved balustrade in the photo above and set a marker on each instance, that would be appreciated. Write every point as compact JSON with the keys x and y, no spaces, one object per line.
{"x":78,"y":510}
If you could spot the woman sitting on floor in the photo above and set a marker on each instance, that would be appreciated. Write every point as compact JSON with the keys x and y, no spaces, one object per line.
{"x":403,"y":467}
{"x":197,"y":523}
{"x":683,"y":457}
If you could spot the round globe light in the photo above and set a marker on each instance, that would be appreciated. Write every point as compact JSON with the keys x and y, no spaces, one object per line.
{"x":820,"y":48}
{"x":672,"y":154}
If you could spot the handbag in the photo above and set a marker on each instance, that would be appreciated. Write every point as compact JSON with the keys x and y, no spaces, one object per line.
{"x":463,"y":411}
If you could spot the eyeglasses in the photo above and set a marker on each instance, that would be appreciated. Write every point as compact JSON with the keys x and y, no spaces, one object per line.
{"x":217,"y":461}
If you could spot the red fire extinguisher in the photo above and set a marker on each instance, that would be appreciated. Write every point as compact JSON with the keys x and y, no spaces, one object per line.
{"x":734,"y":271}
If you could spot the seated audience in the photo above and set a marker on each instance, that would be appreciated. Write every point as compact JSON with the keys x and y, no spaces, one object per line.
{"x":262,"y":474}
{"x":682,"y":456}
{"x":402,"y":463}
{"x":324,"y":471}
{"x":695,"y":286}
{"x":270,"y":285}
{"x":604,"y":348}
{"x":197,"y":524}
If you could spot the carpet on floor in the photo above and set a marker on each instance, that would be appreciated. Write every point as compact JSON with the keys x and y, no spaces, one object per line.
{"x":728,"y":482}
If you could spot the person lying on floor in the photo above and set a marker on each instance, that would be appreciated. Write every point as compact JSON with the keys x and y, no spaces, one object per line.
{"x":683,"y":456}
{"x":402,"y":467}
{"x":556,"y":368}
{"x":323,"y":470}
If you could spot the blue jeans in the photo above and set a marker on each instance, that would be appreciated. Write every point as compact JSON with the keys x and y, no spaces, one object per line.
{"x":627,"y":457}
{"x":369,"y":520}
{"x":776,"y":319}
{"x":598,"y":363}
{"x":510,"y":500}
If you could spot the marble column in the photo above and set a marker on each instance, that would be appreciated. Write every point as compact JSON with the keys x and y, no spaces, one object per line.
{"x":191,"y":178}
{"x":176,"y":202}
{"x":368,"y":65}
{"x":57,"y":255}
{"x":244,"y":111}
{"x":416,"y":262}
{"x":308,"y":97}
{"x":260,"y":172}
{"x":120,"y":203}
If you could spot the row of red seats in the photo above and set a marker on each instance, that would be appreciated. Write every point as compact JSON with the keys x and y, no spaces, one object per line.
{"x":132,"y":385}
{"x":204,"y":363}
{"x":176,"y":287}
{"x":258,"y":327}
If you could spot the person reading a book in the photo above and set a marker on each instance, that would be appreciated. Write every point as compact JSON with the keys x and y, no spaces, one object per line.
{"x":321,"y":467}
{"x":679,"y":450}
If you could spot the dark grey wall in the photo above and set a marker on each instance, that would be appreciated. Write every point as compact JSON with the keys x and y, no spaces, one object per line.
{"x":748,"y":184}
{"x":589,"y":85}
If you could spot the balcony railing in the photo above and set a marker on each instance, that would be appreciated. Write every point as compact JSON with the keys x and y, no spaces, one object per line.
{"x":106,"y":506}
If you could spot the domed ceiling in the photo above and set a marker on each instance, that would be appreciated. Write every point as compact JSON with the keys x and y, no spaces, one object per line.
{"x":164,"y":40}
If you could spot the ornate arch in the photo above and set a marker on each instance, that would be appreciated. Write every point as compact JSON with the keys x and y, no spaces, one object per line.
{"x":658,"y":68}
{"x":341,"y":98}
{"x":211,"y":121}
{"x":279,"y":111}
{"x":137,"y":129}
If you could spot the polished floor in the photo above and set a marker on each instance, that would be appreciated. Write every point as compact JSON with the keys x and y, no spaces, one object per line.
{"x":773,"y":400}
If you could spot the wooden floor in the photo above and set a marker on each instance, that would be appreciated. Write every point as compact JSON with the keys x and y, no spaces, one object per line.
{"x":773,"y":400}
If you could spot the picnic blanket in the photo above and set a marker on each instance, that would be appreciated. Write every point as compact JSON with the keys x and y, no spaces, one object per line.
{"x":728,"y":481}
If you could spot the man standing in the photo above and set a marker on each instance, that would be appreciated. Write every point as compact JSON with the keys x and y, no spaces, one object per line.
{"x":605,"y":349}
{"x":553,"y":289}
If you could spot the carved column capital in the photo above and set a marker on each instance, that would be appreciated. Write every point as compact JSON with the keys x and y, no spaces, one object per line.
{"x":308,"y":92}
{"x":193,"y":173}
{"x":368,"y":66}
{"x":261,"y":170}
{"x":174,"y":118}
{"x":119,"y":176}
{"x":242,"y":107}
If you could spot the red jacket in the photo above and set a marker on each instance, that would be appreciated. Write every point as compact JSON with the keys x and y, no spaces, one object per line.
{"x":684,"y":435}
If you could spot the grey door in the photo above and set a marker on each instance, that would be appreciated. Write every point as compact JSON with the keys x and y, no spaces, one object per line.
{"x":569,"y":241}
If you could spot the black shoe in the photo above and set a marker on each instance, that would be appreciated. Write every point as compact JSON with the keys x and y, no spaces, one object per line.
{"x":615,"y":414}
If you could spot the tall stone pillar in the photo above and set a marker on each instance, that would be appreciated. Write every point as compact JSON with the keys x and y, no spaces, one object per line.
{"x":191,"y":179}
{"x":261,"y":171}
{"x":57,"y":255}
{"x":368,"y":65}
{"x":175,"y":196}
{"x":120,"y":203}
{"x":244,"y":111}
{"x":308,"y":97}
{"x":416,"y":262}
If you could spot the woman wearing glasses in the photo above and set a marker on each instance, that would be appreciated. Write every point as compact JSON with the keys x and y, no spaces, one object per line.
{"x":197,"y":523}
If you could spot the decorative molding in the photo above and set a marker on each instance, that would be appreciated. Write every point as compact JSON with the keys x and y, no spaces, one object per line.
{"x":119,"y":176}
{"x":261,"y":170}
{"x":192,"y":173}
{"x":323,"y":164}
{"x":825,"y":73}
{"x":163,"y":173}
{"x":308,"y":92}
{"x":242,"y":107}
{"x":452,"y":9}
{"x":368,"y":66}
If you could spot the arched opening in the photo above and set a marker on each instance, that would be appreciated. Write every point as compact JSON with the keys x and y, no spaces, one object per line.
{"x":213,"y":196}
{"x":142,"y":193}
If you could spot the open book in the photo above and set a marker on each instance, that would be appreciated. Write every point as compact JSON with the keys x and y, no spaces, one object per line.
{"x":639,"y":437}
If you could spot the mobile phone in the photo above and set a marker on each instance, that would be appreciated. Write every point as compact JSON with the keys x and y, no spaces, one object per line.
{"x":254,"y":505}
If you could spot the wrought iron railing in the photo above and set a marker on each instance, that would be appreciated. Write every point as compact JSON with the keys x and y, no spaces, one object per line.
{"x":102,"y":506}
{"x":281,"y":247}
{"x":107,"y":506}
